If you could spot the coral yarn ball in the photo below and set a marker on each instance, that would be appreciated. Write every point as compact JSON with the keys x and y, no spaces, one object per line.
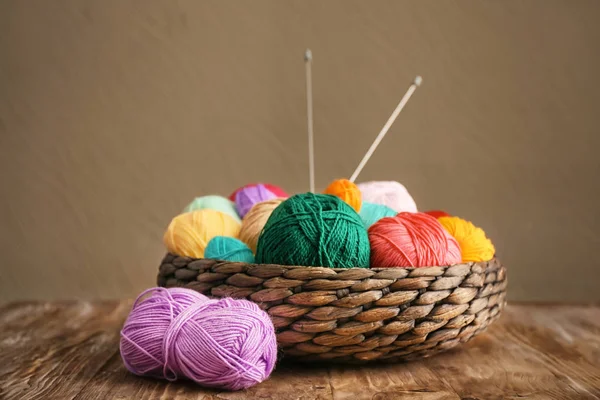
{"x":179,"y":333}
{"x":411,"y":240}
{"x":347,"y":191}
{"x":389,"y":193}
{"x":188,"y":234}
{"x":437,"y":213}
{"x":474,"y":244}
{"x":314,"y":230}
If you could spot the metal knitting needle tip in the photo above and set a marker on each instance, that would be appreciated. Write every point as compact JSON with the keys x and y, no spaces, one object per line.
{"x":308,"y":55}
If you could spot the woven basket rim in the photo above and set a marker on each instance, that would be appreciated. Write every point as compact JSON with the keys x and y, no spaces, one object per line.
{"x":483,"y":264}
{"x":355,"y":315}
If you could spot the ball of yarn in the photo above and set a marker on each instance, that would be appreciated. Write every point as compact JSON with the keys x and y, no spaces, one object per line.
{"x":474,"y":244}
{"x":411,"y":240}
{"x":255,"y":220}
{"x":314,"y":230}
{"x":272,"y":188}
{"x":189,"y":233}
{"x":371,"y":213}
{"x":179,"y":333}
{"x":228,"y":249}
{"x":437,"y":213}
{"x":248,"y":196}
{"x":347,"y":191}
{"x":213,"y":202}
{"x":389,"y":193}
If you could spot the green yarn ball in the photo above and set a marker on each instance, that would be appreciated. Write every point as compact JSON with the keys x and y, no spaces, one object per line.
{"x":213,"y":202}
{"x":371,"y":213}
{"x":314,"y":230}
{"x":228,"y":249}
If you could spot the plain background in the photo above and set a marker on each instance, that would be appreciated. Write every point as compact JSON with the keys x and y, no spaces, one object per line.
{"x":115,"y":114}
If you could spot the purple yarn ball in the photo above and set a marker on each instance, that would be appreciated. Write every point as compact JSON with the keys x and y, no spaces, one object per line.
{"x":180,"y":333}
{"x":248,"y":196}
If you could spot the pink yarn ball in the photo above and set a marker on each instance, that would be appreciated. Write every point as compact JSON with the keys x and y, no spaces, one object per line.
{"x":177,"y":332}
{"x":389,"y":193}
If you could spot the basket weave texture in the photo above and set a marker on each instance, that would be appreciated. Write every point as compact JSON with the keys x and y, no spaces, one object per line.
{"x":355,"y":315}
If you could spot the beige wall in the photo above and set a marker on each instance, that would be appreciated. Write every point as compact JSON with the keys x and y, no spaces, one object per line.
{"x":114,"y":114}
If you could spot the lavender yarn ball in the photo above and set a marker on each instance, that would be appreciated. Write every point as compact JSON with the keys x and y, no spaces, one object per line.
{"x":180,"y":333}
{"x":248,"y":196}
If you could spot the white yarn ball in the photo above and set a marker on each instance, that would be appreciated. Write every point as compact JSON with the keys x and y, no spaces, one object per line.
{"x":389,"y":193}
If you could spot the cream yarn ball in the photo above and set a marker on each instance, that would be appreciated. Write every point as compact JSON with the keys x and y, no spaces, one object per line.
{"x":254,"y":221}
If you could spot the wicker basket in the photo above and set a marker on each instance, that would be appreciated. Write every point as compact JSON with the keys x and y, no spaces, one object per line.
{"x":356,"y":315}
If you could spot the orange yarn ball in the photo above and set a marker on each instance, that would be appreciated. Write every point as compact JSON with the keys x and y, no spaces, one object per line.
{"x":347,"y":191}
{"x":411,"y":240}
{"x":474,"y":244}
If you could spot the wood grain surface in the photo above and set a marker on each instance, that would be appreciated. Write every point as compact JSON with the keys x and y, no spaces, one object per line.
{"x":69,"y":350}
{"x":115,"y":114}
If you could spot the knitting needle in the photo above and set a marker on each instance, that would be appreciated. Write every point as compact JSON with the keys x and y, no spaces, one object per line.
{"x":309,"y":116}
{"x":416,"y":83}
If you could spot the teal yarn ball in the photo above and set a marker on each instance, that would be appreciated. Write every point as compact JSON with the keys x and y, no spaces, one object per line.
{"x":213,"y":202}
{"x":314,"y":230}
{"x":371,"y":213}
{"x":228,"y":249}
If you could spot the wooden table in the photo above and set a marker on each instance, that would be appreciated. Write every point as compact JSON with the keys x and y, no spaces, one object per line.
{"x":69,"y":350}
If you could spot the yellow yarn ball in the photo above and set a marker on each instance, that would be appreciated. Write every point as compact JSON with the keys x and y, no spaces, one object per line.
{"x":255,"y":220}
{"x":474,"y":245}
{"x":189,"y":233}
{"x":347,"y":191}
